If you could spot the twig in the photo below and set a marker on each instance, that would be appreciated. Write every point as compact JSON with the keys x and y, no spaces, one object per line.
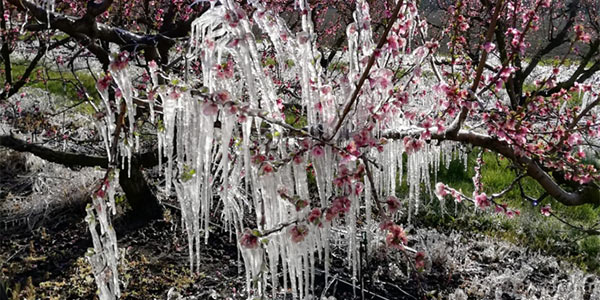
{"x":457,"y":123}
{"x":372,"y":184}
{"x":585,"y":230}
{"x":367,"y":70}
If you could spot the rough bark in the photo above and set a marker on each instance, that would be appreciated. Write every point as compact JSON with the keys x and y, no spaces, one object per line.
{"x":529,"y":165}
{"x":144,"y":204}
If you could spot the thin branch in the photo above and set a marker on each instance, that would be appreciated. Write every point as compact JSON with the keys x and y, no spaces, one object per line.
{"x":582,"y":229}
{"x":457,"y":123}
{"x":367,"y":70}
{"x":372,"y":184}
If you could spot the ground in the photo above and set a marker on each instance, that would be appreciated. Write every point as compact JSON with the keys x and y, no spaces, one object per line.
{"x":44,"y":240}
{"x":49,"y":263}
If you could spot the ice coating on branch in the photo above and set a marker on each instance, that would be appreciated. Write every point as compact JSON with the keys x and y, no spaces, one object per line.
{"x":125,"y":90}
{"x":248,"y":161}
{"x":49,"y":6}
{"x":105,"y":255}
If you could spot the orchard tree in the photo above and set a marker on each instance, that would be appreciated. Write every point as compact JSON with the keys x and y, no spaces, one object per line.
{"x":295,"y":119}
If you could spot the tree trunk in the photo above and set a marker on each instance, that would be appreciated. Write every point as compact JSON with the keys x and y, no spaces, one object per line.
{"x":143,"y":202}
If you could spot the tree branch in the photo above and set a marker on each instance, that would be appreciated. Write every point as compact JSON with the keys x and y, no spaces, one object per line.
{"x":25,"y":77}
{"x":69,"y":159}
{"x":64,"y":158}
{"x":529,"y":165}
{"x":460,"y":119}
{"x":555,"y":42}
{"x":365,"y":73}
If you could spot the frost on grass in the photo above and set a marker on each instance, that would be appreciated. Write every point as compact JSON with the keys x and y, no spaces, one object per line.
{"x":500,"y":270}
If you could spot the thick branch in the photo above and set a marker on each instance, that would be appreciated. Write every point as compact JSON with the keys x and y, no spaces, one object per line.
{"x":81,"y":30}
{"x":529,"y":165}
{"x":69,"y":159}
{"x":5,"y":51}
{"x":64,"y":158}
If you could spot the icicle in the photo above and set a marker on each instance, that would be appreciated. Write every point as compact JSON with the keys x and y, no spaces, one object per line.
{"x":126,"y":91}
{"x":105,"y":255}
{"x":169,"y":108}
{"x":50,"y":7}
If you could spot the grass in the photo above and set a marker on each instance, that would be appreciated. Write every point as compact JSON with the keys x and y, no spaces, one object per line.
{"x":555,"y":62}
{"x":58,"y":85}
{"x":531,"y":229}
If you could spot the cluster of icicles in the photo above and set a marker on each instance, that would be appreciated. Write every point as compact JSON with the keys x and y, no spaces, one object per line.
{"x":211,"y":167}
{"x":105,"y":256}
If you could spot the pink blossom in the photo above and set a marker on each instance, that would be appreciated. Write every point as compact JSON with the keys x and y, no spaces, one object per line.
{"x":225,"y":70}
{"x":209,"y":108}
{"x":574,"y":139}
{"x":231,"y":108}
{"x":392,"y":43}
{"x":396,"y":237}
{"x":303,"y":37}
{"x":317,"y":151}
{"x":393,"y":204}
{"x":315,"y":217}
{"x":440,"y":190}
{"x":498,"y":209}
{"x":305,"y":143}
{"x":546,"y":210}
{"x":258,"y":158}
{"x":585,"y":179}
{"x":420,"y":260}
{"x":267,"y":168}
{"x":249,"y":240}
{"x":222,"y":96}
{"x":120,"y":61}
{"x":301,"y":204}
{"x":298,"y":233}
{"x":339,"y":205}
{"x":330,"y":214}
{"x":104,"y":83}
{"x":412,"y":145}
{"x":481,"y":201}
{"x":489,"y":47}
{"x":100,"y":193}
{"x":298,"y":159}
{"x":358,"y":188}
